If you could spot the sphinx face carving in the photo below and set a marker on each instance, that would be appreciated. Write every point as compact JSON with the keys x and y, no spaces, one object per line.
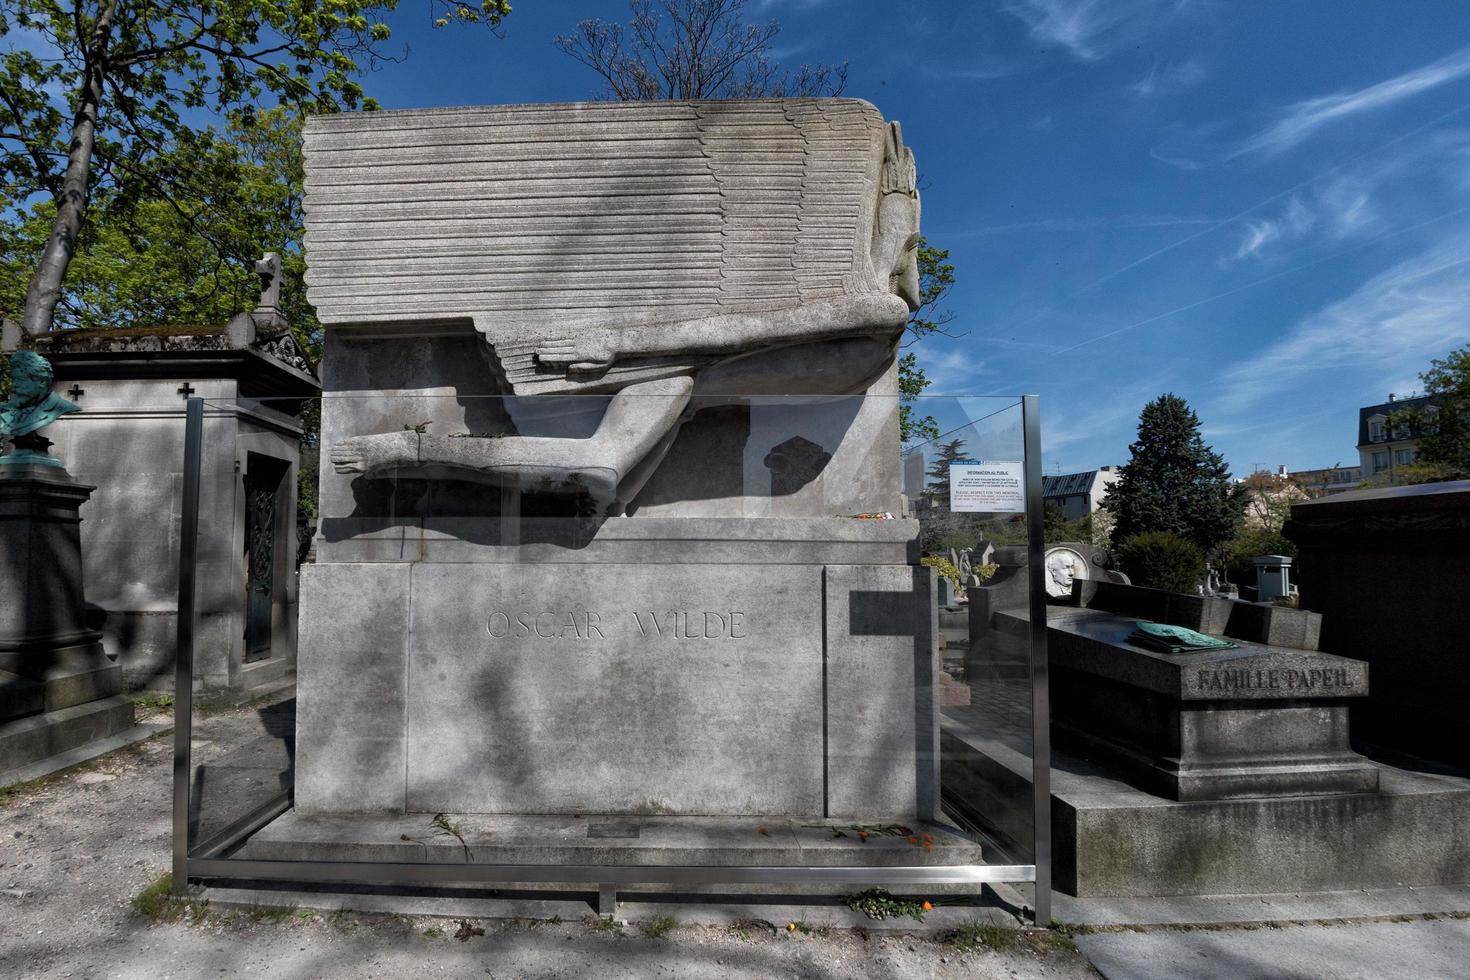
{"x":896,"y":235}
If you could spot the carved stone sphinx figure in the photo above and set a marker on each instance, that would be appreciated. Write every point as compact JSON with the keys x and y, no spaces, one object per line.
{"x":668,"y":254}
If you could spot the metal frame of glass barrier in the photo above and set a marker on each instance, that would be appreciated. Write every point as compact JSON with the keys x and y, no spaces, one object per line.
{"x":200,"y":861}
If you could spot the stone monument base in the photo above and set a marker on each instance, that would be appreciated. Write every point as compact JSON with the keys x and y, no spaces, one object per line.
{"x":696,"y":667}
{"x":605,"y":839}
{"x":58,"y":690}
{"x":1113,"y":839}
{"x":77,"y":700}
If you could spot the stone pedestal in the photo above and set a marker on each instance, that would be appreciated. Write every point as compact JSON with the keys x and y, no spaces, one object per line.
{"x":58,"y":690}
{"x":666,"y":666}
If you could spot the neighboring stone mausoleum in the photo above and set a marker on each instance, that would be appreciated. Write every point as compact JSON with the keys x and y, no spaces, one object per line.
{"x":1388,"y":571}
{"x":128,"y":440}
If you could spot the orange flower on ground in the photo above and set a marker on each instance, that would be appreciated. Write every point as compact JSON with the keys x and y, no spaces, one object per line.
{"x":928,"y":906}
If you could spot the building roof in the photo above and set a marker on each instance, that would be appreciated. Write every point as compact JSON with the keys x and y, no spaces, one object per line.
{"x":1068,"y":484}
{"x":1386,"y":409}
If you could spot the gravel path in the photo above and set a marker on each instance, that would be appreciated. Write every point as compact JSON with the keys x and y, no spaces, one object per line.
{"x":75,"y":849}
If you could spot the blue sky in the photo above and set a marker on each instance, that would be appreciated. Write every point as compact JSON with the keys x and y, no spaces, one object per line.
{"x":1262,"y":207}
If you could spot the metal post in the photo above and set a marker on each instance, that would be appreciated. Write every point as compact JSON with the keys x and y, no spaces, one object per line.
{"x":1040,"y":689}
{"x":184,"y":648}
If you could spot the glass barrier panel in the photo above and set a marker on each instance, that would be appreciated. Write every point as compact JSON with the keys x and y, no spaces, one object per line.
{"x":626,"y":639}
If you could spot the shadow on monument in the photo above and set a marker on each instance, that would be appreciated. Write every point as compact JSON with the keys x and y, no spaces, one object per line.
{"x":893,"y":614}
{"x":718,"y":453}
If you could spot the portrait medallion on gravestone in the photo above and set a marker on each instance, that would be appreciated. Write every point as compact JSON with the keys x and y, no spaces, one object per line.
{"x":1063,"y":567}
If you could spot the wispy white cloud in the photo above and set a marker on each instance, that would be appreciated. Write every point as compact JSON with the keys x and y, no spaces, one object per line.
{"x":950,"y":370}
{"x":1089,"y":29}
{"x":1340,"y":207}
{"x":1298,"y":121}
{"x":1177,"y":162}
{"x":1389,"y":327}
{"x":1348,"y":208}
{"x":1163,"y":79}
{"x":1294,"y":222}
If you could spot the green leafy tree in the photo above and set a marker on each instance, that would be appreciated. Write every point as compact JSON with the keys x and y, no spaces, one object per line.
{"x":1160,"y":560}
{"x":103,"y":101}
{"x":1173,"y":482}
{"x":1444,"y":430}
{"x":936,"y":279}
{"x":1056,"y":527}
{"x":143,"y":261}
{"x":1250,"y":543}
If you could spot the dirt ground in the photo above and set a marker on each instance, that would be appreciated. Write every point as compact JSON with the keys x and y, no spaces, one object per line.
{"x":77,"y":848}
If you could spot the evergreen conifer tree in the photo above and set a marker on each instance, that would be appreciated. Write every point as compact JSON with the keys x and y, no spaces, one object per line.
{"x":1174,"y":482}
{"x":939,"y":469}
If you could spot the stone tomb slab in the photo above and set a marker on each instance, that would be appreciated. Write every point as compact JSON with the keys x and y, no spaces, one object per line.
{"x":562,"y":688}
{"x":625,"y":688}
{"x":695,"y":689}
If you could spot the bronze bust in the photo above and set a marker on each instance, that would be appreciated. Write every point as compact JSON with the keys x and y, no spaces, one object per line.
{"x":31,"y":407}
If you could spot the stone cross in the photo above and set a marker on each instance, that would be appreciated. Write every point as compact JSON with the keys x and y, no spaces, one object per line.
{"x":268,"y":268}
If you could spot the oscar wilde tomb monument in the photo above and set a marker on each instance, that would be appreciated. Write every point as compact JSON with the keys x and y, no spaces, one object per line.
{"x":606,"y":387}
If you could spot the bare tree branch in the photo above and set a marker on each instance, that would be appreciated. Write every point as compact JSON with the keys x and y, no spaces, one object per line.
{"x":692,"y":49}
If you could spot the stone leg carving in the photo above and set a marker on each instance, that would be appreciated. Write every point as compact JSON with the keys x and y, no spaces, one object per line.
{"x":638,"y":421}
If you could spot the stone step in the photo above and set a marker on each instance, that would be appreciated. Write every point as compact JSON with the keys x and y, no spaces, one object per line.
{"x":38,"y":737}
{"x":606,"y":840}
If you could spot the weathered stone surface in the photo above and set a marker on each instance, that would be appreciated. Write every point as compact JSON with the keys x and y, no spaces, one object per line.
{"x":615,"y":688}
{"x":1216,"y":615}
{"x":129,"y":440}
{"x":637,"y":255}
{"x":546,"y":687}
{"x":1096,"y":641}
{"x":767,"y":840}
{"x":30,"y":740}
{"x":675,"y":232}
{"x":351,"y":690}
{"x":621,"y":540}
{"x":58,"y":691}
{"x":683,"y":481}
{"x":882,"y":696}
{"x":40,"y":566}
{"x":1113,"y":839}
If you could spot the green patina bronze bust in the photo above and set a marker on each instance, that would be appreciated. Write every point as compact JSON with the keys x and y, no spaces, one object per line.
{"x":30,"y":408}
